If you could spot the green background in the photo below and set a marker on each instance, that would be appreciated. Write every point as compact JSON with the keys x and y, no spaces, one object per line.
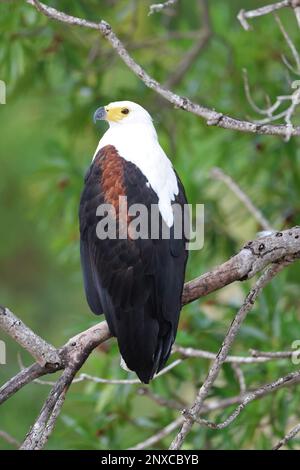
{"x":56,"y":77}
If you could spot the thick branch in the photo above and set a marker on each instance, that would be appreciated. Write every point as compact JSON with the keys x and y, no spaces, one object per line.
{"x":74,"y":350}
{"x":23,"y":378}
{"x":42,"y":352}
{"x":38,"y":434}
{"x":253,"y":257}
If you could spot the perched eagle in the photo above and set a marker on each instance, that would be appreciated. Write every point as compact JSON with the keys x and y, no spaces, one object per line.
{"x":135,"y":281}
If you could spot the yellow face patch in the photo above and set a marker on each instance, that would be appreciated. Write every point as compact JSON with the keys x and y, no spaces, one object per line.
{"x":116,"y":114}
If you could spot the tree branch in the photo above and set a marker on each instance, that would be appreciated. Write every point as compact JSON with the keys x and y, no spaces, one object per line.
{"x":76,"y":349}
{"x":253,"y":257}
{"x":290,"y":435}
{"x":242,"y":400}
{"x":281,"y":247}
{"x":218,"y":174}
{"x":244,"y":15}
{"x":42,"y":352}
{"x":23,"y":378}
{"x":256,"y":358}
{"x":248,"y":397}
{"x":8,"y":438}
{"x":230,"y":336}
{"x":158,"y":7}
{"x":212,"y":117}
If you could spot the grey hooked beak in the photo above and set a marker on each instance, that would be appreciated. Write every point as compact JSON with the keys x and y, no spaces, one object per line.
{"x":100,"y":114}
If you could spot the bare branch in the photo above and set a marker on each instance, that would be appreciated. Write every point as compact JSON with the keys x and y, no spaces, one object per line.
{"x":42,"y":352}
{"x":287,"y":380}
{"x":289,"y":42}
{"x":8,"y":438}
{"x":52,"y":419}
{"x":213,"y":373}
{"x":218,"y":174}
{"x":244,"y":15}
{"x":212,"y":117}
{"x":239,"y":376}
{"x":23,"y":378}
{"x":100,"y":380}
{"x":78,"y":347}
{"x":158,"y":7}
{"x":281,"y":247}
{"x":290,"y":435}
{"x":294,"y":96}
{"x":297,"y":13}
{"x":161,"y":401}
{"x":257,"y":359}
{"x":159,"y":435}
{"x":38,"y":434}
{"x":253,"y":257}
{"x":266,"y":112}
{"x":214,"y":405}
{"x":271,"y":355}
{"x":73,"y":354}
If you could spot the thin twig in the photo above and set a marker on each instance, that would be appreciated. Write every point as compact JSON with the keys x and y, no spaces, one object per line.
{"x":242,"y":400}
{"x":10,"y":439}
{"x":271,"y":354}
{"x":159,"y":435}
{"x":244,"y":15}
{"x":158,"y":7}
{"x":289,"y":42}
{"x":219,"y":174}
{"x":287,"y":380}
{"x":100,"y":380}
{"x":254,"y":359}
{"x":238,"y":372}
{"x":161,"y":401}
{"x":290,"y":435}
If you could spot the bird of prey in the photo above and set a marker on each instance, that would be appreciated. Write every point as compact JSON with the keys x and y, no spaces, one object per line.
{"x":136,"y":281}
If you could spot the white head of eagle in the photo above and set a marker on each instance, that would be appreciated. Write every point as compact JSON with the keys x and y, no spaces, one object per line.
{"x":136,"y":283}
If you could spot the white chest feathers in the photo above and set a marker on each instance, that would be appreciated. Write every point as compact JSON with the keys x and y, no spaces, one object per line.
{"x":139,"y":145}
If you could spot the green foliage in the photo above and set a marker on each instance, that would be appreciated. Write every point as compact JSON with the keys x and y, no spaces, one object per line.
{"x":56,"y":77}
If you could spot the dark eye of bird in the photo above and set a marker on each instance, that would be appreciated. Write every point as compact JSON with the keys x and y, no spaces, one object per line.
{"x":125,"y":111}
